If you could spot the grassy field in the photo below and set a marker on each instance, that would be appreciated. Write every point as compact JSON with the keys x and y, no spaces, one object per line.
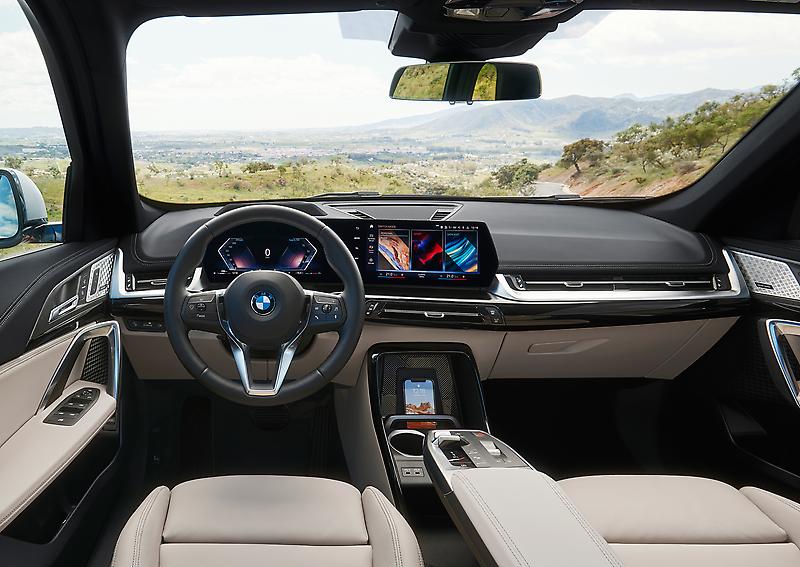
{"x":169,"y":183}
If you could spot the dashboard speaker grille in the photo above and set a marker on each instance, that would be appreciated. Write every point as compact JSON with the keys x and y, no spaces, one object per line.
{"x":438,"y":362}
{"x":95,"y":369}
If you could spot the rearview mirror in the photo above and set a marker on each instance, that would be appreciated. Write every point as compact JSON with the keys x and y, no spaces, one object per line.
{"x":22,"y":207}
{"x":467,"y":82}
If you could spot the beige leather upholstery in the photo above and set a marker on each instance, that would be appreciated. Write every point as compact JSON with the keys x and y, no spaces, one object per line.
{"x":657,"y":521}
{"x":38,"y":452}
{"x":524,"y":519}
{"x":266,"y":520}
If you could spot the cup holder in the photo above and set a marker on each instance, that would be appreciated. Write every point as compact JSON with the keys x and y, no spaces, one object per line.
{"x":406,"y":442}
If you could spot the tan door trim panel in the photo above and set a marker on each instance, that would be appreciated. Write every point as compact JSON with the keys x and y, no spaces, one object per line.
{"x":36,"y":454}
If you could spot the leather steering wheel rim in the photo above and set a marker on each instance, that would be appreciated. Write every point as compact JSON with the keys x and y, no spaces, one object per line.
{"x":191,"y":256}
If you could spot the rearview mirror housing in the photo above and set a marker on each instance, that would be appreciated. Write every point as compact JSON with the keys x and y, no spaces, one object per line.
{"x":21,"y":206}
{"x":467,"y":81}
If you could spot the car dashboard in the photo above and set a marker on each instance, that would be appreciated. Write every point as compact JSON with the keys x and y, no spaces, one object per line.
{"x":459,"y":255}
{"x":530,"y":289}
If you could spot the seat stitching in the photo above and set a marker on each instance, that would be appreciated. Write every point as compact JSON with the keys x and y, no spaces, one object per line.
{"x":395,"y":540}
{"x":612,"y":560}
{"x":786,"y":502}
{"x":499,"y":528}
{"x":140,"y":526}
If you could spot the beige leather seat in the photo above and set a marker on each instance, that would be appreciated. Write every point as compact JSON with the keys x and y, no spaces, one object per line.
{"x":664,"y":521}
{"x":247,"y":521}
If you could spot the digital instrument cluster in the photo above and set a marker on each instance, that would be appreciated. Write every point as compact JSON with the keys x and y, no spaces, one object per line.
{"x":386,"y":252}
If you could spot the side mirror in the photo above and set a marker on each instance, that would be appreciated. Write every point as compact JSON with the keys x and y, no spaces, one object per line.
{"x":22,"y":207}
{"x":467,"y":82}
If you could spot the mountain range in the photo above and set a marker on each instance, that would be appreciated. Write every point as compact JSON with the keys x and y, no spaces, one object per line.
{"x":564,"y":118}
{"x":538,"y":128}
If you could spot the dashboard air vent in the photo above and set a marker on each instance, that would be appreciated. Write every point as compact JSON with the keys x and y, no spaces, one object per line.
{"x":442,"y":214}
{"x":710,"y":282}
{"x":149,"y":281}
{"x":357,"y":213}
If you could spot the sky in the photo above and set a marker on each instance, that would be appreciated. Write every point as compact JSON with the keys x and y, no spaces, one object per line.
{"x":297,"y":71}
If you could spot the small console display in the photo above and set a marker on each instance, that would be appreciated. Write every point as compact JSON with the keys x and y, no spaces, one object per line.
{"x":386,"y":252}
{"x":419,"y":397}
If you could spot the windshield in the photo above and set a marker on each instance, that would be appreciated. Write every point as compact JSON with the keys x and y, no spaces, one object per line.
{"x":634,"y":104}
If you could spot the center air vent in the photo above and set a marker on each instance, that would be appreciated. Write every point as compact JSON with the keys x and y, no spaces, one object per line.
{"x":442,"y":214}
{"x":710,"y":282}
{"x":358,"y":213}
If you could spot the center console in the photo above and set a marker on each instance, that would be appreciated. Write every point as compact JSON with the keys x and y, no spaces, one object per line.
{"x":509,"y":513}
{"x":416,"y":390}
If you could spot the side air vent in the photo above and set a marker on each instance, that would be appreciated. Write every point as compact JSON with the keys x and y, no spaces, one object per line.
{"x":442,"y":214}
{"x":711,"y":282}
{"x":357,"y":213}
{"x":95,"y":367}
{"x":147,"y":282}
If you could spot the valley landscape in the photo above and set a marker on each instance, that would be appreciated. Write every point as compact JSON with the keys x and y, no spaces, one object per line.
{"x":620,"y":147}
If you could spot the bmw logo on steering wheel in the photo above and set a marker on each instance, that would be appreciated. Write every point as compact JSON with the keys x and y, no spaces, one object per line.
{"x":263,"y":302}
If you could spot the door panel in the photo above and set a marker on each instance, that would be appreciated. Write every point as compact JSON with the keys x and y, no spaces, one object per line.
{"x":28,"y":280}
{"x":23,"y":382}
{"x":759,"y":370}
{"x":59,"y":383}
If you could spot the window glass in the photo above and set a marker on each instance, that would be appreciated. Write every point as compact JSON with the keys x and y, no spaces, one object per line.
{"x":31,"y":135}
{"x":635,"y":104}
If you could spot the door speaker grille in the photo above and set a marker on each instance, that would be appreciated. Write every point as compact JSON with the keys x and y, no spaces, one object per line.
{"x":95,"y":369}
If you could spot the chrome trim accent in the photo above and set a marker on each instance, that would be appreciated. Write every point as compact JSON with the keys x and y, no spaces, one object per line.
{"x":118,"y":290}
{"x":100,"y":272}
{"x":79,"y":308}
{"x":501,"y":291}
{"x":59,"y":310}
{"x":768,"y":276}
{"x":774,"y":332}
{"x":241,"y":354}
{"x":583,"y":283}
{"x":108,"y":329}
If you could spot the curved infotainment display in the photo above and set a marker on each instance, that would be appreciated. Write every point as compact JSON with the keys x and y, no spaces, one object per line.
{"x":387,"y":252}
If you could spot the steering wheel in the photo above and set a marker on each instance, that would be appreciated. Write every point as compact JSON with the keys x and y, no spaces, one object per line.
{"x":265,"y":311}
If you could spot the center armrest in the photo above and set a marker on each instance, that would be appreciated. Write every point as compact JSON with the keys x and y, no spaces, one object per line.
{"x":523,"y":518}
{"x":509,"y":513}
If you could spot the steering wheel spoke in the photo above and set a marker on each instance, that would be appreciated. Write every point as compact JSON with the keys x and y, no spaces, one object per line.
{"x":242,"y":357}
{"x":200,"y":311}
{"x":326,"y":312}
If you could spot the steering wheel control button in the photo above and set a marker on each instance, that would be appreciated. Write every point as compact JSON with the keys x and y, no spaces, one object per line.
{"x":263,"y":303}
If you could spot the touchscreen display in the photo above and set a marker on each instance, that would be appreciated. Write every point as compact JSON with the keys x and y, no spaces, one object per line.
{"x":423,"y":254}
{"x":419,"y":397}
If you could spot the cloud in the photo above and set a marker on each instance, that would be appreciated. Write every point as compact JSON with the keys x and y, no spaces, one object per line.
{"x":26,"y":93}
{"x":650,"y":53}
{"x":257,"y":93}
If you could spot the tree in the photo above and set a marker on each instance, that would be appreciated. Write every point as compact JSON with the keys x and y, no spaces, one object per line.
{"x":584,"y":149}
{"x":14,"y":162}
{"x":256,"y":166}
{"x":517,"y":176}
{"x":220,"y":168}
